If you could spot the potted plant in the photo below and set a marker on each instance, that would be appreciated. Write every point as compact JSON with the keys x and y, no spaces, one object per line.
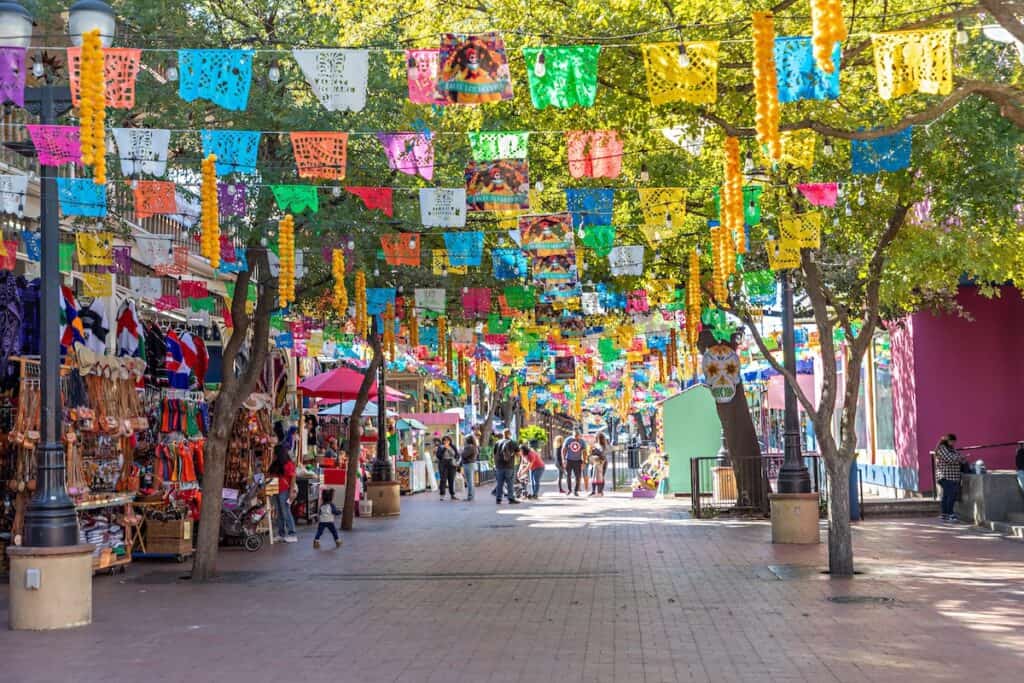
{"x":534,"y":435}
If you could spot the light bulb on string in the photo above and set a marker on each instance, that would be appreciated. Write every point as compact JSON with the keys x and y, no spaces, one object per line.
{"x":263,"y":241}
{"x":336,"y":192}
{"x":539,"y":186}
{"x":827,"y":148}
{"x":644,"y":175}
{"x":668,"y":220}
{"x":849,"y":210}
{"x":376,"y":272}
{"x":274,"y":73}
{"x":748,"y":163}
{"x":539,"y":70}
{"x":581,"y":233}
{"x":412,"y":243}
{"x":961,"y":34}
{"x":38,"y":68}
{"x":351,"y":245}
{"x":683,"y":59}
{"x":861,"y":199}
{"x":171,"y":74}
{"x":878,"y":185}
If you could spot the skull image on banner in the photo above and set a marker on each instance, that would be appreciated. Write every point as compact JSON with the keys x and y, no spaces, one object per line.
{"x":721,"y":366}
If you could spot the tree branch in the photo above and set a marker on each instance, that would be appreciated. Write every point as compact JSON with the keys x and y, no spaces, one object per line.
{"x":1010,"y":15}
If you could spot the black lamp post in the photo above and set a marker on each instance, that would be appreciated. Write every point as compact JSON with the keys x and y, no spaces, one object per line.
{"x":50,"y":518}
{"x":793,"y":477}
{"x":381,"y":469}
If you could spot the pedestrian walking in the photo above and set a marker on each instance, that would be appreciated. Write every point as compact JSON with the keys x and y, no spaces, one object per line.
{"x":447,"y":465}
{"x":573,"y":451}
{"x":949,"y":462}
{"x":559,"y":462}
{"x":598,"y":467}
{"x":470,"y":453}
{"x":328,"y":514}
{"x":284,"y":469}
{"x":504,"y":466}
{"x":535,"y":465}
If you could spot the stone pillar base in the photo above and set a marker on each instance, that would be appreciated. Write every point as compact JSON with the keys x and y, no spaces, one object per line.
{"x":795,"y":518}
{"x":64,"y":596}
{"x":386,"y":497}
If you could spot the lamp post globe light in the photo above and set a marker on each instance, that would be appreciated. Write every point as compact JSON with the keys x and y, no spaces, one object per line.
{"x":15,"y":25}
{"x":85,"y":15}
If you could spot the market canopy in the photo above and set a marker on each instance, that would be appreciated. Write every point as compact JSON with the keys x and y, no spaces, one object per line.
{"x":345,"y":409}
{"x":343,"y":384}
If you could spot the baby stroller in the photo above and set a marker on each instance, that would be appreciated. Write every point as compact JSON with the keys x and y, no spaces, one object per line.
{"x":523,"y":487}
{"x":240,"y":520}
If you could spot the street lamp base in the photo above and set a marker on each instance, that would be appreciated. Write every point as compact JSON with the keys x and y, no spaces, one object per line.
{"x":380,"y":470}
{"x":50,"y":518}
{"x":794,"y":480}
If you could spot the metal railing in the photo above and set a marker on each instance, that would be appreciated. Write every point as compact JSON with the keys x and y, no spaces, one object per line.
{"x":964,"y":450}
{"x":718,"y":487}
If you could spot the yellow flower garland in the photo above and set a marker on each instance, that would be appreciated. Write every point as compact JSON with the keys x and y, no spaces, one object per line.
{"x":732,"y":197}
{"x":209,"y":238}
{"x":827,"y":28}
{"x":766,"y":85}
{"x":693,"y":299}
{"x":340,"y":293}
{"x":286,"y":247}
{"x":388,"y":338}
{"x":360,"y":286}
{"x":92,"y":107}
{"x":414,"y":325}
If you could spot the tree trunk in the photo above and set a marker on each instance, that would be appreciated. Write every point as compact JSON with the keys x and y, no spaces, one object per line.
{"x":354,"y":433}
{"x":204,"y":566}
{"x":744,"y":451}
{"x":840,"y":538}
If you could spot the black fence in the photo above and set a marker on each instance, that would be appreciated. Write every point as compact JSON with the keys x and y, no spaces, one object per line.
{"x":743,"y":484}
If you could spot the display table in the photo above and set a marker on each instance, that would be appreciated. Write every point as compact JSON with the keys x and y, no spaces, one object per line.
{"x":411,"y":475}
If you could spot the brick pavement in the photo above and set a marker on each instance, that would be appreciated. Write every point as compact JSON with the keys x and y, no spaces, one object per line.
{"x":610,"y":589}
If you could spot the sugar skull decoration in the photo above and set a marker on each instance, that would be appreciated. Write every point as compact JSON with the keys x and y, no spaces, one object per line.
{"x":721,"y":365}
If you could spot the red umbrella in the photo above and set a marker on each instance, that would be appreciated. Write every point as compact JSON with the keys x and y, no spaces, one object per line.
{"x":342,"y":384}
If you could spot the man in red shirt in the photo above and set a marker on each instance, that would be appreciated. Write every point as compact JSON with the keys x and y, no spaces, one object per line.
{"x":536,"y":465}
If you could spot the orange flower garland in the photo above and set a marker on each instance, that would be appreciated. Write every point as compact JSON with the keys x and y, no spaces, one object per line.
{"x":442,"y":334}
{"x":827,"y":28}
{"x":361,"y":318}
{"x":388,"y":340}
{"x":766,"y":85}
{"x":209,"y":238}
{"x":414,"y":325}
{"x":340,"y":293}
{"x":732,"y":195}
{"x":693,"y":299}
{"x":92,"y":106}
{"x":286,"y":247}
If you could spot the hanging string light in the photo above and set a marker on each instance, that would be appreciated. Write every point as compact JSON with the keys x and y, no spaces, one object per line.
{"x":766,"y":85}
{"x":360,"y":313}
{"x":286,"y":249}
{"x":340,"y":293}
{"x":92,"y":106}
{"x":209,"y":239}
{"x":827,"y":28}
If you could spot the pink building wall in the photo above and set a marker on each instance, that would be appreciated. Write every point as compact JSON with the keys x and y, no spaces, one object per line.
{"x":953,"y":374}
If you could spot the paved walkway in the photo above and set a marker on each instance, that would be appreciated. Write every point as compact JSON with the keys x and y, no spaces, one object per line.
{"x":610,"y":589}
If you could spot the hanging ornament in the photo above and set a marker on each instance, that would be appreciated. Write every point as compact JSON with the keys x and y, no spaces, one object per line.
{"x":286,"y":247}
{"x":92,"y":106}
{"x":360,"y":315}
{"x":209,"y":238}
{"x":338,"y":271}
{"x":827,"y":28}
{"x":766,"y":85}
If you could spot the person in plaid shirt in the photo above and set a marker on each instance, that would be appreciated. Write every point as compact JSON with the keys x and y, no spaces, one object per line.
{"x":948,"y":462}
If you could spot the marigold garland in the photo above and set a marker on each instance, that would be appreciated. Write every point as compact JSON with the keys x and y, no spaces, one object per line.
{"x":827,"y":28}
{"x":732,"y":195}
{"x":414,"y":325}
{"x":286,"y":247}
{"x":766,"y":85}
{"x":92,"y":106}
{"x":388,"y":339}
{"x":442,"y":334}
{"x":360,"y":317}
{"x":209,"y":238}
{"x":693,"y":299}
{"x":338,"y":272}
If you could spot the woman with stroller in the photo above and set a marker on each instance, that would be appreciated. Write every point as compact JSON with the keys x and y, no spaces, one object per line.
{"x":447,"y":464}
{"x":533,"y":463}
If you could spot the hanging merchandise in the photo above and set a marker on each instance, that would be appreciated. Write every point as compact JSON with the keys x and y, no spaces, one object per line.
{"x":473,"y":69}
{"x":464,"y":248}
{"x":422,"y":68}
{"x":13,"y":188}
{"x":409,"y":153}
{"x":626,"y":261}
{"x":430,"y":300}
{"x":235,"y":150}
{"x":443,"y":207}
{"x":913,"y":61}
{"x":800,"y":231}
{"x":827,"y":29}
{"x":12,"y":75}
{"x":142,"y":150}
{"x":56,"y":145}
{"x":340,"y":293}
{"x":361,"y":316}
{"x":401,"y":249}
{"x":476,"y":302}
{"x":232,"y":200}
{"x":562,"y":77}
{"x":286,"y":249}
{"x":379,"y":198}
{"x":600,"y":238}
{"x":320,"y":155}
{"x":594,"y":154}
{"x":92,"y":108}
{"x":591,"y":206}
{"x":501,"y":185}
{"x":337,"y":77}
{"x":493,"y":145}
{"x":888,"y":153}
{"x":799,"y":76}
{"x":210,"y":236}
{"x":72,"y":331}
{"x":820,"y":194}
{"x":153,"y":197}
{"x":120,"y":69}
{"x":682,"y":72}
{"x":508,"y":263}
{"x":296,"y":198}
{"x":129,"y":333}
{"x":441,"y":265}
{"x":95,"y":248}
{"x":82,"y":197}
{"x":766,"y":87}
{"x":732,"y":194}
{"x":220,"y":76}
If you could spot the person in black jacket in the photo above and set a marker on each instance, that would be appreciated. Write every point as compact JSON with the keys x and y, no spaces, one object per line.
{"x":504,"y":465}
{"x":447,"y":463}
